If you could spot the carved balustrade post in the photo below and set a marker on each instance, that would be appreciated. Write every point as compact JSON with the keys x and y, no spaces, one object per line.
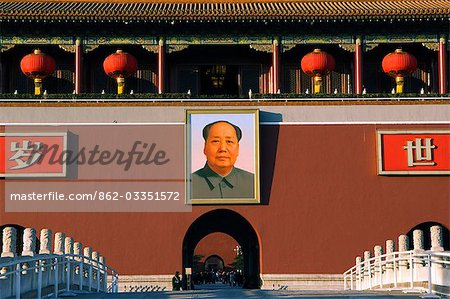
{"x":9,"y":242}
{"x":46,"y":241}
{"x":367,"y":270}
{"x":403,"y":245}
{"x":390,"y":248}
{"x":29,"y":242}
{"x":59,"y":243}
{"x":378,"y":251}
{"x":437,"y":243}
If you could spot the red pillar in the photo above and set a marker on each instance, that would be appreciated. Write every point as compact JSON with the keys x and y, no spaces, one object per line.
{"x":78,"y":68}
{"x":161,"y":65}
{"x":442,"y":62}
{"x":358,"y":83}
{"x":275,"y":66}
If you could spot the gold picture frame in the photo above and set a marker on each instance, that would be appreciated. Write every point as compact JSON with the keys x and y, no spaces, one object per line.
{"x":222,"y":168}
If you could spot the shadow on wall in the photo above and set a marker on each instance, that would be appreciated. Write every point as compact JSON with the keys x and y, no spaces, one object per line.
{"x":268,"y":150}
{"x":425,"y":227}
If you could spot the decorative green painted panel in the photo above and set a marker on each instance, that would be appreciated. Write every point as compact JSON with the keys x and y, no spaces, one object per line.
{"x":221,"y":40}
{"x":28,"y":40}
{"x":131,"y":40}
{"x":256,"y":40}
{"x":183,"y":40}
{"x":432,"y":38}
{"x":309,"y":39}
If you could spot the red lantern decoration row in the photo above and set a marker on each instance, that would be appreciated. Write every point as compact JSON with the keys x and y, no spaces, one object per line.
{"x":398,"y":65}
{"x":316,"y":65}
{"x":37,"y":66}
{"x":119,"y":66}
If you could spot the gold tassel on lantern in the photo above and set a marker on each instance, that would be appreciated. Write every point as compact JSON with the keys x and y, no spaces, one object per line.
{"x":120,"y":85}
{"x":399,"y":80}
{"x":317,"y":84}
{"x":37,"y":86}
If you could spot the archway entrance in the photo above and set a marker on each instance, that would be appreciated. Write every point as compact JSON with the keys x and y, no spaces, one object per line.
{"x":213,"y":263}
{"x":233,"y":224}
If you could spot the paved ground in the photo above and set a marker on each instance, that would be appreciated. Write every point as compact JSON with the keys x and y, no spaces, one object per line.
{"x":220,"y":292}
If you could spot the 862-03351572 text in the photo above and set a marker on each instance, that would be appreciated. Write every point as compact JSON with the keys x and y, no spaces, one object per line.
{"x":98,"y":195}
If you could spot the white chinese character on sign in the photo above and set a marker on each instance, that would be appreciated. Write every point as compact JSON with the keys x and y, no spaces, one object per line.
{"x":29,"y":150}
{"x":418,"y":154}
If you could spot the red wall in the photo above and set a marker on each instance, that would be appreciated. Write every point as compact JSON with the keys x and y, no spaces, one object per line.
{"x":326,"y":205}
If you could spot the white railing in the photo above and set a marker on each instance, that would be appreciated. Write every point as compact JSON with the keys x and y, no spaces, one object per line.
{"x":424,"y":271}
{"x":50,"y":275}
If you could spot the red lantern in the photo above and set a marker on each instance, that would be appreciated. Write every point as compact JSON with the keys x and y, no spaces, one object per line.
{"x":317,"y":64}
{"x":398,"y":65}
{"x":120,"y":65}
{"x":37,"y":66}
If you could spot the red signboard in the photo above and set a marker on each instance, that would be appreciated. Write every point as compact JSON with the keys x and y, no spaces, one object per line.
{"x":33,"y":154}
{"x":414,"y":152}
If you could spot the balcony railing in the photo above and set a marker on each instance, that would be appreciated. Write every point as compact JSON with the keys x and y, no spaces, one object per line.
{"x":184,"y":97}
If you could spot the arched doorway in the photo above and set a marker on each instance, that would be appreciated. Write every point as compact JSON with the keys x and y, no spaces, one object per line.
{"x":213,"y":263}
{"x":233,"y":224}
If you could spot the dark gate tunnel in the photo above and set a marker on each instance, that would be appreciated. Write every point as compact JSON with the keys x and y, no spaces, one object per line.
{"x":233,"y":224}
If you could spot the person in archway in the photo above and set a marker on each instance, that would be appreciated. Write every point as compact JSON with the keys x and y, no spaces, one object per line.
{"x":219,"y":178}
{"x":176,"y":282}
